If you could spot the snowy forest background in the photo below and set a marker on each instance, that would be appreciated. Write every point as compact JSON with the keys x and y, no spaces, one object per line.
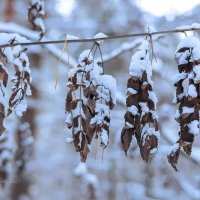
{"x":52,"y":169}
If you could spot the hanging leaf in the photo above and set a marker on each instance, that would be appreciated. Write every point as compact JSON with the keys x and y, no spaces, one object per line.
{"x":187,"y":96}
{"x":140,"y":118}
{"x":78,"y":113}
{"x":35,"y":14}
{"x":21,"y":82}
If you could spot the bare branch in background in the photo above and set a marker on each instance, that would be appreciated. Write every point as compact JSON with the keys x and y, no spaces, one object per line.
{"x":35,"y":14}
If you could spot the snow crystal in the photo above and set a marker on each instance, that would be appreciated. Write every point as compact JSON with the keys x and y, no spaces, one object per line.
{"x":188,"y":110}
{"x":104,"y":137}
{"x":129,"y":125}
{"x":17,"y":62}
{"x":69,"y":140}
{"x":72,"y":72}
{"x":9,"y":54}
{"x":39,"y":22}
{"x":144,"y":107}
{"x":137,"y":65}
{"x":68,"y":118}
{"x":78,"y":111}
{"x":109,"y":82}
{"x":133,"y":110}
{"x":193,"y":26}
{"x":191,"y":75}
{"x":180,"y":96}
{"x":196,"y":70}
{"x":182,"y":57}
{"x":103,"y":111}
{"x":192,"y":91}
{"x":154,"y":150}
{"x":189,"y":42}
{"x":21,"y":108}
{"x":87,"y":54}
{"x":131,"y":90}
{"x":100,"y":35}
{"x":94,"y":74}
{"x":71,"y":37}
{"x":151,"y":29}
{"x":154,"y":114}
{"x":28,"y":90}
{"x":103,"y":92}
{"x":152,"y":96}
{"x":8,"y":37}
{"x":140,"y":62}
{"x":16,"y":50}
{"x":144,"y":46}
{"x":101,"y":107}
{"x":180,"y":76}
{"x":150,"y":131}
{"x":194,"y":127}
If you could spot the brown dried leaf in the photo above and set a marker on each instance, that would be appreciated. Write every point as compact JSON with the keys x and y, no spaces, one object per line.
{"x":126,"y":138}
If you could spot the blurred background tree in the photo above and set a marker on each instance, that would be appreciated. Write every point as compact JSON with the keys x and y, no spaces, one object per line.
{"x":52,"y":171}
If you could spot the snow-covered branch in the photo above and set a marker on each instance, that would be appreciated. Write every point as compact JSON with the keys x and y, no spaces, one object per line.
{"x":33,"y":35}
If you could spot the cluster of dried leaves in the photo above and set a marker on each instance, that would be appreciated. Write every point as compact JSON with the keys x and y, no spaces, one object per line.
{"x":35,"y":14}
{"x":17,"y":58}
{"x":21,"y":80}
{"x":103,"y":103}
{"x":140,"y":118}
{"x":187,"y":97}
{"x":88,"y":104}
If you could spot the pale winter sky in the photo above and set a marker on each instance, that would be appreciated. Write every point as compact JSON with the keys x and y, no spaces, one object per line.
{"x":168,"y":8}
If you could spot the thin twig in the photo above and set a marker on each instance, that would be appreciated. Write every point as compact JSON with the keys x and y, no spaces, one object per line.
{"x":101,"y":38}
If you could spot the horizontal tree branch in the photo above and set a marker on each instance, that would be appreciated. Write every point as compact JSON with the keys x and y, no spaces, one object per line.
{"x":124,"y":47}
{"x":101,"y":38}
{"x":55,"y":51}
{"x":33,"y":35}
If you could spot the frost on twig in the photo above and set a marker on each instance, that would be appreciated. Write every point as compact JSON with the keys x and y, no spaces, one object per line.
{"x":187,"y":96}
{"x":35,"y":14}
{"x":140,"y":118}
